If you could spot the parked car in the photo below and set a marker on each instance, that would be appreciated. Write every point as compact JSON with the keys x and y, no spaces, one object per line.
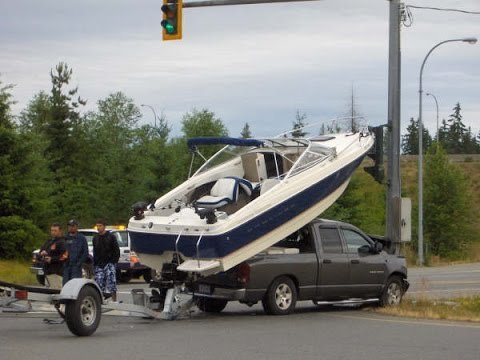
{"x":128,"y":266}
{"x":326,"y":262}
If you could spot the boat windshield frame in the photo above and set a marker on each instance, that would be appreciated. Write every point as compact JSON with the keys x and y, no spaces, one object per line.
{"x":313,"y":154}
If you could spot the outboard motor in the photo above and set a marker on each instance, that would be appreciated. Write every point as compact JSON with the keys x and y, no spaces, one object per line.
{"x":139,"y":209}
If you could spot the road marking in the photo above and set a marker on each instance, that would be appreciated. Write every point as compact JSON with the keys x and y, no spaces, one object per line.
{"x":407,"y":322}
{"x":444,"y":290}
{"x":449,"y":282}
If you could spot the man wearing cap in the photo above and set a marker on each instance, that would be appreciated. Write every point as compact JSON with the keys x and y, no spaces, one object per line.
{"x":77,"y":248}
{"x":54,"y":253}
{"x":105,"y":255}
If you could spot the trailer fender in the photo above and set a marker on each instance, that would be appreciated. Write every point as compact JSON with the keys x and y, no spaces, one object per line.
{"x":73,"y":287}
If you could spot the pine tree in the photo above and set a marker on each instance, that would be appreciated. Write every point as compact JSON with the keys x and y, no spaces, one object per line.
{"x":64,"y":120}
{"x":17,"y":234}
{"x":456,"y":131}
{"x":410,"y":139}
{"x":448,"y":208}
{"x":246,"y":133}
{"x":443,"y":134}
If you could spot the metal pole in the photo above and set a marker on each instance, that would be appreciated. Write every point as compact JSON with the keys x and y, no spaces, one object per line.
{"x":420,"y":260}
{"x":436,"y":103}
{"x":393,"y":151}
{"x":154,"y":113}
{"x":234,"y":2}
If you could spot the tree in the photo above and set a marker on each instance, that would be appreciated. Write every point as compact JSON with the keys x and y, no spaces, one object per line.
{"x":448,"y":208}
{"x":246,"y":133}
{"x":353,"y":113}
{"x":443,"y":134}
{"x":299,"y":125}
{"x":17,"y":234}
{"x":456,"y":131}
{"x":64,"y":120}
{"x":410,"y":139}
{"x":195,"y":124}
{"x":202,"y":123}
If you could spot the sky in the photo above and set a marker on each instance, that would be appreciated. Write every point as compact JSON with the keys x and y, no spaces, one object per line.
{"x":254,"y":63}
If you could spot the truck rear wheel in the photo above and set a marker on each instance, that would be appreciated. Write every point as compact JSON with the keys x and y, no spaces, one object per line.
{"x":210,"y":305}
{"x":148,"y":275}
{"x":281,"y":297}
{"x":83,"y":315}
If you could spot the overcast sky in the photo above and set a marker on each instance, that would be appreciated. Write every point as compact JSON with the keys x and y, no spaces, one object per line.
{"x":255,"y":64}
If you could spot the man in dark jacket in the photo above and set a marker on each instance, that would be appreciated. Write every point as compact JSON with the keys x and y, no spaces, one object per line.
{"x":77,"y":248}
{"x":54,"y":253}
{"x":105,"y":256}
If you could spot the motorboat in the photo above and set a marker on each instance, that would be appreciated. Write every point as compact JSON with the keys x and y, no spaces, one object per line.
{"x":245,"y":198}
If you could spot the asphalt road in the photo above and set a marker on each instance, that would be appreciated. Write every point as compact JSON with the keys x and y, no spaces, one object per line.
{"x":242,"y":333}
{"x":444,"y":281}
{"x":246,"y":333}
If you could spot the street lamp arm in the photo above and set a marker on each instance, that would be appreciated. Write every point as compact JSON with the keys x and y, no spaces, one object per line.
{"x":154,"y":113}
{"x":469,"y":40}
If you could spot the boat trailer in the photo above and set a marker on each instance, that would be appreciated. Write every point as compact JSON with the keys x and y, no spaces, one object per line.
{"x":84,"y":303}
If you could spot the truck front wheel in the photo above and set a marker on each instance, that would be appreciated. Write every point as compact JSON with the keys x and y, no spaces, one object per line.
{"x":393,"y":292}
{"x":83,"y":315}
{"x":281,"y":297}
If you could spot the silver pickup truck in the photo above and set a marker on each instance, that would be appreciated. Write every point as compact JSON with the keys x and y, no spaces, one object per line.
{"x":326,"y":262}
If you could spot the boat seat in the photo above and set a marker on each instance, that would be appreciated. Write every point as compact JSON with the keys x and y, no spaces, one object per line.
{"x":268,"y":184}
{"x":225,"y":191}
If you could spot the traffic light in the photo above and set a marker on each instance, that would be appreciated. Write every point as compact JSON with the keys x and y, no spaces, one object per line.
{"x":377,"y":170}
{"x":172,"y":19}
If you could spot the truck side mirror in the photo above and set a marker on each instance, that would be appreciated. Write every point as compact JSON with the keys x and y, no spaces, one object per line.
{"x":365,"y":249}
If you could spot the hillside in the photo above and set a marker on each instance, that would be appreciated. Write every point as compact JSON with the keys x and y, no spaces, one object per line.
{"x":363,"y":204}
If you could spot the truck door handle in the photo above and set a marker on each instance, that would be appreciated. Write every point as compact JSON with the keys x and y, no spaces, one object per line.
{"x":355,"y":261}
{"x":327,"y":261}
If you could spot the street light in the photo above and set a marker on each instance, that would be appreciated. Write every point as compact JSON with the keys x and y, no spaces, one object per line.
{"x":420,"y":259}
{"x":436,"y":103}
{"x":154,"y":113}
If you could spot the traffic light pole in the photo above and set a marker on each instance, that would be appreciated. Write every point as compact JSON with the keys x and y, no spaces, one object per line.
{"x":393,"y":207}
{"x":393,"y":226}
{"x":235,"y":2}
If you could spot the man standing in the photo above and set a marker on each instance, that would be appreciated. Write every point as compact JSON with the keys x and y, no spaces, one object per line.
{"x":105,"y":256}
{"x":54,"y":254}
{"x":77,"y":248}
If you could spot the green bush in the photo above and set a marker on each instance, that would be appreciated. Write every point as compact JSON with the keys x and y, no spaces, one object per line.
{"x":18,"y":237}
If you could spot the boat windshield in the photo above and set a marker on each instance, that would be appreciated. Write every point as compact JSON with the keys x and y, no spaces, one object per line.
{"x":313,"y":155}
{"x":228,"y":153}
{"x":309,"y":153}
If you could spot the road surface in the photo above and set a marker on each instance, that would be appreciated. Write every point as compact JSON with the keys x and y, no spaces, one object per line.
{"x":246,"y":333}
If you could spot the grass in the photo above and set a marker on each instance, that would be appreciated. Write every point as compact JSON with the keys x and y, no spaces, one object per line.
{"x":460,"y":309}
{"x":16,"y":271}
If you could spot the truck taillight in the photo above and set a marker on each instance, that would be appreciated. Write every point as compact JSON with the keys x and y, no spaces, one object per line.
{"x":243,"y":273}
{"x":21,"y":294}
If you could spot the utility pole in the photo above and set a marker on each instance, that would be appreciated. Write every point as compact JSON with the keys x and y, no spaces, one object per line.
{"x":393,"y":229}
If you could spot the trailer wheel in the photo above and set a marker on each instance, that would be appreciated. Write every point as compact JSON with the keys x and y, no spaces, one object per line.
{"x":83,"y":315}
{"x":281,"y":297}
